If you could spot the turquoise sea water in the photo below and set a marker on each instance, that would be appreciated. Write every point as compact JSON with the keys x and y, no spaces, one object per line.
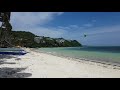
{"x":108,"y":54}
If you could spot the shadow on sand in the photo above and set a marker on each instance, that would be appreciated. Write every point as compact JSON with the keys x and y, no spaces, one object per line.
{"x":13,"y":73}
{"x":6,"y":72}
{"x":3,"y":62}
{"x":4,"y":57}
{"x":9,"y":57}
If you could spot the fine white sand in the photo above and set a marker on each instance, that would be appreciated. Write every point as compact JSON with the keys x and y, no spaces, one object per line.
{"x":41,"y":65}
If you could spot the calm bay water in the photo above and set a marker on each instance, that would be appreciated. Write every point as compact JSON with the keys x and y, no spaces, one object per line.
{"x":108,"y":54}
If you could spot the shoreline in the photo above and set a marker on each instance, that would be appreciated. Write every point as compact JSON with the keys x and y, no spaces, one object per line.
{"x":101,"y":63}
{"x":42,"y":65}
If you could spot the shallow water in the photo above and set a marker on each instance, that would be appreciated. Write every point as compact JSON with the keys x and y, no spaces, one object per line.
{"x":108,"y":54}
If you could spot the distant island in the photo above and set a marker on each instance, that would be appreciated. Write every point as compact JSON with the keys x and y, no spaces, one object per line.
{"x":28,"y":39}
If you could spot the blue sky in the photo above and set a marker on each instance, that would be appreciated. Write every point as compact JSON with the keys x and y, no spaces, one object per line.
{"x":101,"y":28}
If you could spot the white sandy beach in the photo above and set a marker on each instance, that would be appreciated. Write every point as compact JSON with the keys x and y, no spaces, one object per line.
{"x":41,"y":65}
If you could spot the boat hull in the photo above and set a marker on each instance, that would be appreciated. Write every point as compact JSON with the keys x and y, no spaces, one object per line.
{"x":13,"y":53}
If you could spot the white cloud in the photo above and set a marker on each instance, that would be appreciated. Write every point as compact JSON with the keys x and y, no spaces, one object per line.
{"x":49,"y":32}
{"x":60,"y":13}
{"x":23,"y":19}
{"x":88,"y":25}
{"x":100,"y":30}
{"x":34,"y":22}
{"x":68,"y":27}
{"x":46,"y":31}
{"x":74,"y":26}
{"x":108,"y":35}
{"x":94,"y":20}
{"x":94,"y":35}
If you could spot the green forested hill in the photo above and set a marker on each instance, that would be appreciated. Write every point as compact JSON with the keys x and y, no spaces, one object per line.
{"x":28,"y":39}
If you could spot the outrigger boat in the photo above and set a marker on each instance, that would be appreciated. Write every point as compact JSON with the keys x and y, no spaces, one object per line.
{"x":5,"y":51}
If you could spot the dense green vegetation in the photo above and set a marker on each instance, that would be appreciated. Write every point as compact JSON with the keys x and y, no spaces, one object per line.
{"x":28,"y":39}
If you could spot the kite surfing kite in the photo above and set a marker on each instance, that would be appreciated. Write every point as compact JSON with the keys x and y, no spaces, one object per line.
{"x":85,"y":35}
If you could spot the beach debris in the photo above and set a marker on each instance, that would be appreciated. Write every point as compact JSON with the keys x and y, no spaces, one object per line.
{"x":18,"y":59}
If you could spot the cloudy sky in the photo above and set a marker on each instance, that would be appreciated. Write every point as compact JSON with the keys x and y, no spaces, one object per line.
{"x":101,"y":28}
